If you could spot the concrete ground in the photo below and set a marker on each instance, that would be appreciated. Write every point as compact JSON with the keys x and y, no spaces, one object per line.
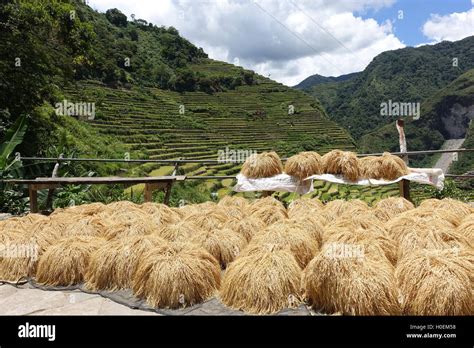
{"x":16,"y":301}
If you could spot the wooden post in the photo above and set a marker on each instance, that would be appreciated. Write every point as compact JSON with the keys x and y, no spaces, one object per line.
{"x":33,"y":198}
{"x":168,"y":193}
{"x":404,"y":185}
{"x":148,"y":193}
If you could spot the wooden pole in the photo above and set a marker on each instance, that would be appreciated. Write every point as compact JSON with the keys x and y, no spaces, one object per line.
{"x":404,"y":185}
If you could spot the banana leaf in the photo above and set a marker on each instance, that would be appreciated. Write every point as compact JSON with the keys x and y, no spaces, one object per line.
{"x":13,"y":137}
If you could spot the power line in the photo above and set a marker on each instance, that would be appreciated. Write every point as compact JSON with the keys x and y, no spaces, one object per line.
{"x":296,"y":35}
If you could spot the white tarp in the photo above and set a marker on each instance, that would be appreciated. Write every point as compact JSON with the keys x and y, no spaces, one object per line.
{"x":287,"y":183}
{"x":428,"y":176}
{"x":280,"y":183}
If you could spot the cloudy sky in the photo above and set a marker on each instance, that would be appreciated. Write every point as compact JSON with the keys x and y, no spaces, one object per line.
{"x":290,"y":40}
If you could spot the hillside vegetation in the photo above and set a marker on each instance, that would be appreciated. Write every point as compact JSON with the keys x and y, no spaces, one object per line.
{"x":403,"y":75}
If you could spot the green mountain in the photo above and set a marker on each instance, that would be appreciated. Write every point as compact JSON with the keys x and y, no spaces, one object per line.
{"x":408,"y":75}
{"x":445,"y":115}
{"x":316,"y":79}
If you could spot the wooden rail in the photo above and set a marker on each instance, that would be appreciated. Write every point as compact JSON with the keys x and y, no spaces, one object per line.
{"x":164,"y":183}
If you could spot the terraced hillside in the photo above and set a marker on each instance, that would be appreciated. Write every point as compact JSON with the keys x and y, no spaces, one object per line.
{"x":167,"y":125}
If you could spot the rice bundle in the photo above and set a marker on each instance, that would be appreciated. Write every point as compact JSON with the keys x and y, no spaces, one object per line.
{"x":404,"y":224}
{"x":358,"y":220}
{"x":343,"y":163}
{"x":138,"y":227}
{"x":431,"y":238}
{"x":310,"y":224}
{"x":392,"y":167}
{"x":437,"y":282}
{"x":340,"y":207}
{"x":86,"y":226}
{"x":180,"y":231}
{"x":266,"y":202}
{"x":50,"y":226}
{"x":160,"y":213}
{"x":394,"y":205}
{"x":208,"y":220}
{"x":176,"y":275}
{"x":301,"y":205}
{"x":371,"y":167}
{"x":113,"y":265}
{"x":22,"y":252}
{"x":269,"y":214}
{"x":295,"y":239}
{"x":246,"y":227}
{"x":430,"y":203}
{"x":461,"y":209}
{"x":264,"y":282}
{"x":66,"y":262}
{"x":467,"y":228}
{"x":233,"y":201}
{"x":223,"y":244}
{"x":263,"y":165}
{"x":303,"y":165}
{"x":339,"y":280}
{"x":371,"y":240}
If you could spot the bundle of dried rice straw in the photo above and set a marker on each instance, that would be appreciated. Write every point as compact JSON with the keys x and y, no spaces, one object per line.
{"x":176,"y":275}
{"x":66,"y":262}
{"x":343,"y":163}
{"x":263,"y":282}
{"x":304,"y":165}
{"x":263,"y":165}
{"x":341,"y":279}
{"x":437,"y":282}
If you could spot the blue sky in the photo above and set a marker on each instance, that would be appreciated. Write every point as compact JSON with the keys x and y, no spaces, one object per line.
{"x":415,"y":14}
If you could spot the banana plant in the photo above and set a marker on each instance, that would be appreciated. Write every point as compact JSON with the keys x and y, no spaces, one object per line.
{"x":13,"y":137}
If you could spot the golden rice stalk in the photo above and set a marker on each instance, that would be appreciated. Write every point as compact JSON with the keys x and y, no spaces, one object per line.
{"x":160,"y":213}
{"x":246,"y":227}
{"x":394,"y":205}
{"x":295,"y":239}
{"x":122,"y":206}
{"x":269,"y":214}
{"x":298,"y":206}
{"x":208,"y":220}
{"x":309,"y":224}
{"x":66,"y":262}
{"x":234,"y":201}
{"x":392,"y":167}
{"x":430,"y":203}
{"x":87,"y":225}
{"x":359,"y":220}
{"x":22,"y":252}
{"x":223,"y":244}
{"x":263,"y":165}
{"x":113,"y":265}
{"x":50,"y":226}
{"x":405,"y":223}
{"x":264,"y":282}
{"x":303,"y":165}
{"x":339,"y":280}
{"x":461,"y":209}
{"x":431,"y":238}
{"x":437,"y":282}
{"x":311,"y":214}
{"x":180,"y":231}
{"x":342,"y":163}
{"x":265,"y":202}
{"x":176,"y":275}
{"x":467,"y":228}
{"x":371,"y":167}
{"x":340,"y":207}
{"x":371,"y":240}
{"x":137,"y":227}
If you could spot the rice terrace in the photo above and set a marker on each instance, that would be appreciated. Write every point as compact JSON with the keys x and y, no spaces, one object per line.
{"x":288,"y":167}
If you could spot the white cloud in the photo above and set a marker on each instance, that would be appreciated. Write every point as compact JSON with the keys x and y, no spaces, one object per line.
{"x":454,"y":26}
{"x":289,"y":39}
